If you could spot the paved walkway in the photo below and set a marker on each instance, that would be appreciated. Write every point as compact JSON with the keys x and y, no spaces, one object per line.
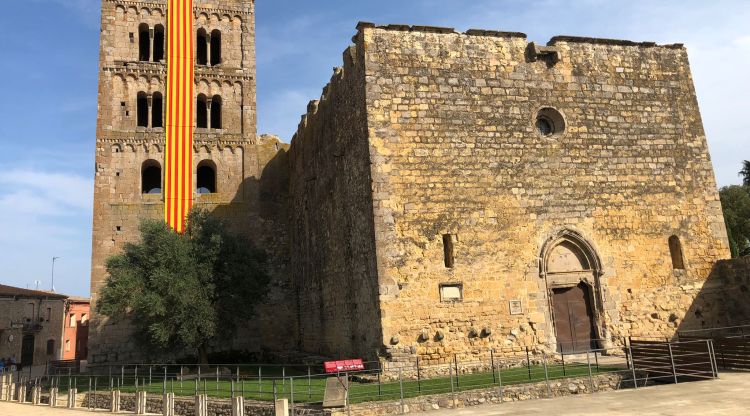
{"x":14,"y":409}
{"x":725,"y":396}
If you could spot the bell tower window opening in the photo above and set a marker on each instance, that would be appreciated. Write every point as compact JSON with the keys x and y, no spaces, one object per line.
{"x":142,"y":109}
{"x":216,"y":112}
{"x":201,"y":53}
{"x":206,"y":180}
{"x":157,"y":102}
{"x":215,"y":47}
{"x":144,"y":43}
{"x":158,"y":43}
{"x":151,"y":177}
{"x":201,"y":112}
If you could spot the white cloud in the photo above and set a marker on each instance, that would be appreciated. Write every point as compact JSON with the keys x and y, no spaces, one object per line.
{"x":45,"y":214}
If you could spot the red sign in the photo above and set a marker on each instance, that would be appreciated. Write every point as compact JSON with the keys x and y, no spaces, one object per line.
{"x":344,"y":366}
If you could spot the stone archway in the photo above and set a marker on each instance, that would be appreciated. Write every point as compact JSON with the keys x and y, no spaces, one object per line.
{"x":571,"y":269}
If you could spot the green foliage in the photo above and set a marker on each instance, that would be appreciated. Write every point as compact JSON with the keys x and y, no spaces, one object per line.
{"x":735,"y":201}
{"x":745,"y":173}
{"x":184,"y":290}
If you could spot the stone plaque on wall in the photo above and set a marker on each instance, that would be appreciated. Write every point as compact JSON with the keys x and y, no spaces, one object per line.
{"x":516,"y":308}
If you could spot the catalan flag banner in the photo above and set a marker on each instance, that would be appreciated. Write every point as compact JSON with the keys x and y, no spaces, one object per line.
{"x":178,"y":179}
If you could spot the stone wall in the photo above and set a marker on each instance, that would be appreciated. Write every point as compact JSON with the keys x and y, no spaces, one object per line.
{"x":496,"y":395}
{"x":332,"y":235}
{"x":456,"y":151}
{"x":185,"y":406}
{"x":251,"y":174}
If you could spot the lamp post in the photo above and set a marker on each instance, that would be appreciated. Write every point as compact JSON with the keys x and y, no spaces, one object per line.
{"x":53,"y":272}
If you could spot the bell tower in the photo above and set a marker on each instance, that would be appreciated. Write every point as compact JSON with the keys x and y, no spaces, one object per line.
{"x":227,"y":157}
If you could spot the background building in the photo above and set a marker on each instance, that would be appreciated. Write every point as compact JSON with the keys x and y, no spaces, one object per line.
{"x":35,"y":326}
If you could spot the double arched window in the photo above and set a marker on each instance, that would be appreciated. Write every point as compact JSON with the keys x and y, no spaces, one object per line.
{"x":154,"y":106}
{"x":146,"y":52}
{"x":151,"y":177}
{"x":208,"y":47}
{"x":208,"y":112}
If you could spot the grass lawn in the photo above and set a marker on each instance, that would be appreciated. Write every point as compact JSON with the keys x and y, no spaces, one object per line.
{"x":311,"y":390}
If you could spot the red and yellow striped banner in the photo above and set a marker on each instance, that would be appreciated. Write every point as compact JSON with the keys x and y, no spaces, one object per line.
{"x":178,"y":180}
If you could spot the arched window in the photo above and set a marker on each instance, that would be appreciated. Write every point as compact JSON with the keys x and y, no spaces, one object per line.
{"x":216,"y":112}
{"x":142,"y":109}
{"x":144,"y":43}
{"x":206,"y":177}
{"x":151,"y":177}
{"x":158,"y":43}
{"x":202,"y":47}
{"x":201,"y":112}
{"x":215,"y":47}
{"x":156,"y":110}
{"x":675,"y":249}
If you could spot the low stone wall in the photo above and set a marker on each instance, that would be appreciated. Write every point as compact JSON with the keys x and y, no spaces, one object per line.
{"x":519,"y":392}
{"x":185,"y":406}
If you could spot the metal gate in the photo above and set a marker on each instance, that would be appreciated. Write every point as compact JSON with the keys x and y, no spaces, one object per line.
{"x":672,"y":362}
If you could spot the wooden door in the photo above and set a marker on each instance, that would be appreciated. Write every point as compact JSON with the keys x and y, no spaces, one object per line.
{"x":574,"y":319}
{"x":27,"y":351}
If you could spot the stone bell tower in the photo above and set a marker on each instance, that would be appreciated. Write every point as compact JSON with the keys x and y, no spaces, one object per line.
{"x":228,"y":158}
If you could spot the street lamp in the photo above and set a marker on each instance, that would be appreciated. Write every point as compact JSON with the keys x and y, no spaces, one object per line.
{"x":53,"y":272}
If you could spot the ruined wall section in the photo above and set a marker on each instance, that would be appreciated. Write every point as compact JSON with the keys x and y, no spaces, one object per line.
{"x":455,"y":150}
{"x":332,"y":234}
{"x":246,"y":166}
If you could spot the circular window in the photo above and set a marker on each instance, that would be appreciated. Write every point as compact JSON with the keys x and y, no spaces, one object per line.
{"x":549,"y":122}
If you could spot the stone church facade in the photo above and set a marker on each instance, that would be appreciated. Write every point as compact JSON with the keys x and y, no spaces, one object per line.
{"x":449,"y":192}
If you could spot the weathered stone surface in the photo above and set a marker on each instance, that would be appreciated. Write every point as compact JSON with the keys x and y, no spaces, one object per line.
{"x":426,"y":133}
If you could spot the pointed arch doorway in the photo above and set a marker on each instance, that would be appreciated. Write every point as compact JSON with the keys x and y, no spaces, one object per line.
{"x":571,"y":269}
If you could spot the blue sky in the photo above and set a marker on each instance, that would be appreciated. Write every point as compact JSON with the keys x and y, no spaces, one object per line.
{"x":50,"y":58}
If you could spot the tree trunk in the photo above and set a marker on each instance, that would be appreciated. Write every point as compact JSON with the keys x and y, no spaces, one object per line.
{"x":203,"y":355}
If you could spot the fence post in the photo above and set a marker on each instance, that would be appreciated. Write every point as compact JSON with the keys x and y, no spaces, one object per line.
{"x":217,"y":380}
{"x":528,"y":362}
{"x":591,"y":377}
{"x":274,"y":391}
{"x":149,"y":374}
{"x":712,"y":358}
{"x":309,"y":383}
{"x":546,"y":373}
{"x":492,"y":363}
{"x":419,"y":377}
{"x":401,"y":389}
{"x":671,"y":359}
{"x":291,"y":393}
{"x":453,"y":390}
{"x":632,"y":365}
{"x":260,"y":383}
{"x":562,"y":358}
{"x":455,"y":360}
{"x":500,"y":380}
{"x":380,"y":372}
{"x":596,"y":358}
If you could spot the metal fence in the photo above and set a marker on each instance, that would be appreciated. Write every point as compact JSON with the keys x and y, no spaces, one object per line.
{"x":304,"y":385}
{"x":672,"y":362}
